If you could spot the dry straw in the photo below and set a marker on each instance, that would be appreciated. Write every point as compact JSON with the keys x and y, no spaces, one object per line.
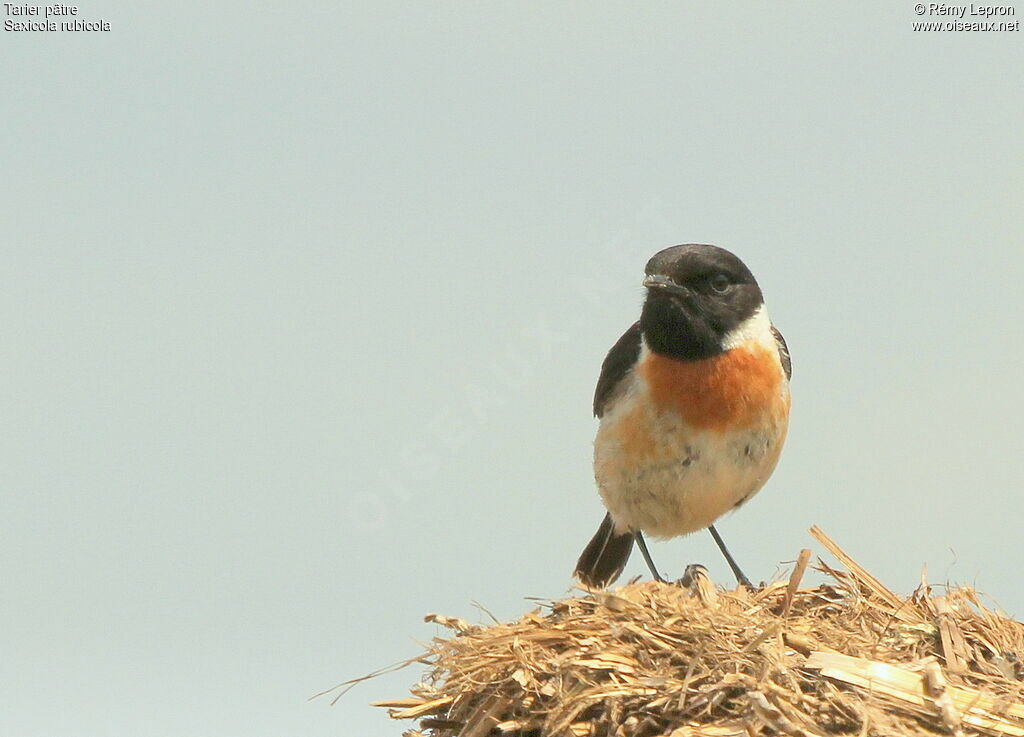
{"x":848,"y":657}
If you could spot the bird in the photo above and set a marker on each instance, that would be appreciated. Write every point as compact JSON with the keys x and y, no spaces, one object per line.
{"x":693,"y":406}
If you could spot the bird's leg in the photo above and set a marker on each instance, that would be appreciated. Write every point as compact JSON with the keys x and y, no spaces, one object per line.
{"x":741,"y":579}
{"x":647,"y":556}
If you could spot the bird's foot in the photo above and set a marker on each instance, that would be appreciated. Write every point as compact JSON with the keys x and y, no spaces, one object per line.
{"x":744,"y":582}
{"x":695,"y":572}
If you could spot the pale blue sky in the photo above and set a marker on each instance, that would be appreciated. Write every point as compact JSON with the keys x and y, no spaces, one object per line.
{"x":302,"y":310}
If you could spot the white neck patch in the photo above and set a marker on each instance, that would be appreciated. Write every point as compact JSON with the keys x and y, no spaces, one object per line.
{"x":755,"y":329}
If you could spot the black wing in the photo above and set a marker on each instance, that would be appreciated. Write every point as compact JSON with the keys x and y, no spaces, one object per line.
{"x":787,"y":363}
{"x":620,"y":361}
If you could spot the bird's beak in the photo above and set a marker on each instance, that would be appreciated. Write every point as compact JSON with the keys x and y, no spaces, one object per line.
{"x":664,"y":283}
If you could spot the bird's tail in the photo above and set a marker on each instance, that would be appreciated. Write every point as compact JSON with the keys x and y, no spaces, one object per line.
{"x":605,"y":555}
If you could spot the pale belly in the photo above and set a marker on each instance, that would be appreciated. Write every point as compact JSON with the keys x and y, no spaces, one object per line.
{"x":660,"y":476}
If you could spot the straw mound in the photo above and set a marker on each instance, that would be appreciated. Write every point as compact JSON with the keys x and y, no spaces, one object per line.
{"x":848,"y":657}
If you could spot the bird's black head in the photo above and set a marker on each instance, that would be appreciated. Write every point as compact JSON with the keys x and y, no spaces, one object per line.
{"x":696,"y":295}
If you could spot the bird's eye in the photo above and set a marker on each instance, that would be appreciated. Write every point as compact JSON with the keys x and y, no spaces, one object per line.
{"x":720,"y":282}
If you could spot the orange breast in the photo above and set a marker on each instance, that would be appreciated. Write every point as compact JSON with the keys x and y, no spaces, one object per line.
{"x":730,"y":391}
